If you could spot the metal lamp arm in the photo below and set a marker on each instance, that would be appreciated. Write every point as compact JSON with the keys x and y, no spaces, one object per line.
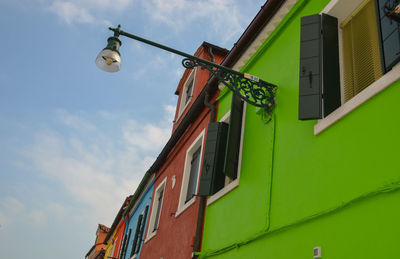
{"x":250,"y":88}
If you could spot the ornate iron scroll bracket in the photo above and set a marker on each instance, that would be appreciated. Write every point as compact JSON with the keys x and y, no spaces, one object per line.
{"x":250,"y":88}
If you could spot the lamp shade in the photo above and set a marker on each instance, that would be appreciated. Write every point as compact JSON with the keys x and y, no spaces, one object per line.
{"x":109,"y":59}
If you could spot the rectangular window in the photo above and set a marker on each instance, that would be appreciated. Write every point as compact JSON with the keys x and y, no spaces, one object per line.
{"x":154,"y":221}
{"x":194,"y":169}
{"x":361,"y":54}
{"x":140,"y":227}
{"x":369,"y":53}
{"x":190,"y":176}
{"x":189,"y":91}
{"x":186,"y":93}
{"x":158,"y":210}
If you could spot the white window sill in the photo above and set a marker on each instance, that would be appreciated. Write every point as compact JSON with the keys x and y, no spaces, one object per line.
{"x":379,"y":85}
{"x":223,"y":191}
{"x":183,"y":207}
{"x":150,"y":236}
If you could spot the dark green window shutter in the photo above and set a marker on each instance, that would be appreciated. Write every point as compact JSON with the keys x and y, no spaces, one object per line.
{"x":141,"y":230}
{"x":234,"y":134}
{"x":319,"y":83}
{"x":212,"y":176}
{"x":125,"y":244}
{"x":139,"y":222}
{"x":389,"y":35}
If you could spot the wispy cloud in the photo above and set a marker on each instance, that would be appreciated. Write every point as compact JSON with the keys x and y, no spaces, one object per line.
{"x":70,"y":13}
{"x":97,"y":173}
{"x":74,"y":121}
{"x":82,"y":12}
{"x":224,"y":15}
{"x":10,"y":207}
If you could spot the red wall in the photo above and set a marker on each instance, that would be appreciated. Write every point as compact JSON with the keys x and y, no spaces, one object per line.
{"x":201,"y":79}
{"x":175,"y":236}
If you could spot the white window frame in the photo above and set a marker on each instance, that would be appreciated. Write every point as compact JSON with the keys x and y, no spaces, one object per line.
{"x":341,"y":9}
{"x":152,"y":220}
{"x":232,"y":185}
{"x":182,"y":104}
{"x":197,"y":143}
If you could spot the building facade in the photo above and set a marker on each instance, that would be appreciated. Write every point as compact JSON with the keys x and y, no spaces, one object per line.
{"x":319,"y":177}
{"x":172,"y":227}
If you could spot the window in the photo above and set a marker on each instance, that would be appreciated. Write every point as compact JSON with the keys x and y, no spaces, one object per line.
{"x":190,"y":174}
{"x":369,"y":49}
{"x":360,"y":47}
{"x":187,"y":92}
{"x":231,"y":183}
{"x":193,"y":173}
{"x":140,"y":227}
{"x":156,"y":211}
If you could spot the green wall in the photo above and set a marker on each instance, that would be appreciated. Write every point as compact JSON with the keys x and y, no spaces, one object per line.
{"x":337,"y":190}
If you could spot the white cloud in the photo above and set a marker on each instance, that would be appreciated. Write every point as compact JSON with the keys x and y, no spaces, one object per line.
{"x":82,"y":12}
{"x":11,"y":205}
{"x":38,"y":217}
{"x":224,"y":15}
{"x":10,"y":208}
{"x":100,"y":171}
{"x":74,"y":121}
{"x":70,"y":13}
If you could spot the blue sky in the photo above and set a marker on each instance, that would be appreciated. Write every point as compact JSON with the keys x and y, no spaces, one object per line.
{"x":75,"y":141}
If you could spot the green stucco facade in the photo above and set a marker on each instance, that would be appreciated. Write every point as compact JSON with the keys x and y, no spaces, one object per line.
{"x":339,"y":190}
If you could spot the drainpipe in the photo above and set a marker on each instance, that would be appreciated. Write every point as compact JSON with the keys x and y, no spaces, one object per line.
{"x":203,"y":199}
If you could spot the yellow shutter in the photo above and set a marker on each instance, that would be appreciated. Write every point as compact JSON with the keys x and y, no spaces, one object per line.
{"x":361,"y":54}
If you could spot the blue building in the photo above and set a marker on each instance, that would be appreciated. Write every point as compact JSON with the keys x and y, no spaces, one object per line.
{"x":136,"y":217}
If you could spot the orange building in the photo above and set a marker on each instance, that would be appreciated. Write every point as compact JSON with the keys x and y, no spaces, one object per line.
{"x":98,"y":249}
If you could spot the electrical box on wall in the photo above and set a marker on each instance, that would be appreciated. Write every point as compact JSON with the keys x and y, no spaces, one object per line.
{"x":317,"y":252}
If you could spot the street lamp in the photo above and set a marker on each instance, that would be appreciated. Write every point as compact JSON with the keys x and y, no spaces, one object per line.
{"x":250,"y":88}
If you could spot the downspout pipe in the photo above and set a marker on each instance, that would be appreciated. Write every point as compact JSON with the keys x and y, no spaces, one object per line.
{"x":203,"y":199}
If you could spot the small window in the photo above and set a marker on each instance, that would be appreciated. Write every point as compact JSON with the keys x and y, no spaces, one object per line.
{"x":187,"y":93}
{"x":156,"y":211}
{"x":191,"y":173}
{"x":194,"y":171}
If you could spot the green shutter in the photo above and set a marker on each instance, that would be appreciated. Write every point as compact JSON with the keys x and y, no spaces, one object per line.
{"x":125,"y":244}
{"x":234,"y":134}
{"x":319,"y":82}
{"x":141,"y":230}
{"x":212,"y":177}
{"x":330,"y":64}
{"x":136,"y":235}
{"x":389,"y":36}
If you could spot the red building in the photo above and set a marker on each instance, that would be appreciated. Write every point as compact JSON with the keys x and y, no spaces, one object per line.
{"x":176,"y":215}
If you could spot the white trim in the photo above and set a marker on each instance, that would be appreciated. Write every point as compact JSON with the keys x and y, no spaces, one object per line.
{"x":152,"y":219}
{"x":223,"y":191}
{"x":198,"y":142}
{"x":342,"y":9}
{"x":376,"y":87}
{"x":235,"y":182}
{"x":182,"y":104}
